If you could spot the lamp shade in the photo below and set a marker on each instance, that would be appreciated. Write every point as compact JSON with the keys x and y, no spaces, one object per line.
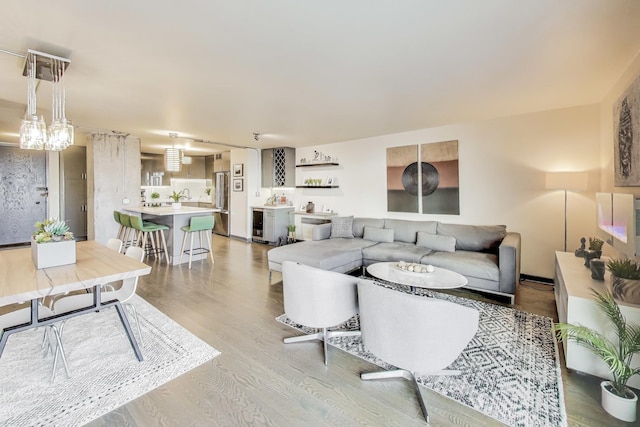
{"x":574,"y":181}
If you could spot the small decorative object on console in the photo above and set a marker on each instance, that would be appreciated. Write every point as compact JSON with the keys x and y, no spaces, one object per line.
{"x":594,"y":251}
{"x":580,"y":251}
{"x":597,"y":269}
{"x":415,"y":268}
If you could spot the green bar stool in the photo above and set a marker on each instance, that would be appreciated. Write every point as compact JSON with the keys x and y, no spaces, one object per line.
{"x":116,"y":217}
{"x":128,"y":239}
{"x":150,"y":235}
{"x":199,"y":224}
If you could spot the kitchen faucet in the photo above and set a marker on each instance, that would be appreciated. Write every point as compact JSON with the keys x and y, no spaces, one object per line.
{"x":187,"y":191}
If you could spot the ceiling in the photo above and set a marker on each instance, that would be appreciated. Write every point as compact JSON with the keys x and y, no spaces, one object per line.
{"x":311,"y":72}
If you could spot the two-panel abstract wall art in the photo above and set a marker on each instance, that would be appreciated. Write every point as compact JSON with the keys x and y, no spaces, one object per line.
{"x":423,"y":178}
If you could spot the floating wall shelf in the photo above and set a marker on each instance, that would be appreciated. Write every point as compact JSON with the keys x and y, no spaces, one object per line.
{"x":307,"y":165}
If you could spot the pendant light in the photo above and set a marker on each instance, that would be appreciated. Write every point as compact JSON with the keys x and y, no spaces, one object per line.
{"x":173,"y":156}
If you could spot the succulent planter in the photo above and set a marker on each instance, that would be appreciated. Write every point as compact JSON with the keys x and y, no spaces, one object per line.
{"x":625,"y":290}
{"x":53,"y":254}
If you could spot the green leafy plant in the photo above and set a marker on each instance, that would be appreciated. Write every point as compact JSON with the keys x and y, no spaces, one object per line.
{"x":52,"y":230}
{"x":617,"y":356}
{"x":208,"y":191}
{"x":595,"y":244}
{"x":155,"y":195}
{"x":176,"y":197}
{"x":291,"y":227}
{"x":624,"y":268}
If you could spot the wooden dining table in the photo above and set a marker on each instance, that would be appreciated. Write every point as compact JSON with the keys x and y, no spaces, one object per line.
{"x":96,"y":265}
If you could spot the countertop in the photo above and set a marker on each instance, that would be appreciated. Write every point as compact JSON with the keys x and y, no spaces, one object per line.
{"x":272,"y":207}
{"x":168,"y":210}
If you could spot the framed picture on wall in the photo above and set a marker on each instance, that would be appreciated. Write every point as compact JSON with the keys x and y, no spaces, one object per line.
{"x":238,"y":185}
{"x":238,"y":170}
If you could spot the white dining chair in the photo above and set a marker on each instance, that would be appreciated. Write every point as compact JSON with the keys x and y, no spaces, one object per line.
{"x":115,"y":244}
{"x":318,"y":299}
{"x":23,"y":315}
{"x":419,"y":335}
{"x":122,"y":294}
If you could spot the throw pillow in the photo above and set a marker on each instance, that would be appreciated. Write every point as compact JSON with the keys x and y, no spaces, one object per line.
{"x":474,"y":237}
{"x":384,"y":235}
{"x":342,"y":227}
{"x":436,"y":242}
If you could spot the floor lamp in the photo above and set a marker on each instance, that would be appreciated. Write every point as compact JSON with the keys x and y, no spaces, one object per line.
{"x":566,"y":181}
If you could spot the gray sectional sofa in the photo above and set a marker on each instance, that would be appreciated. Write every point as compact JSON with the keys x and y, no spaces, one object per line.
{"x":488,"y":256}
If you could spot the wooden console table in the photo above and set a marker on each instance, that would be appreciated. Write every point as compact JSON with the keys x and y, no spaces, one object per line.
{"x":576,"y":305}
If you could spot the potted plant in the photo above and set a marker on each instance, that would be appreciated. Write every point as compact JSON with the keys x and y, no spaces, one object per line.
{"x":155,"y":196}
{"x":594,"y":251}
{"x":176,"y":197}
{"x":52,"y":244}
{"x":292,"y":232}
{"x":625,"y":280}
{"x":617,"y":399}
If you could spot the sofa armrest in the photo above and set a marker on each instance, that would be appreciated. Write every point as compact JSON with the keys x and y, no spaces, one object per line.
{"x":321,"y":231}
{"x":509,"y":262}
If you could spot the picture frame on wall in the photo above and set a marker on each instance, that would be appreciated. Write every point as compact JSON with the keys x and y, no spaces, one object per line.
{"x":238,"y":170}
{"x":238,"y":184}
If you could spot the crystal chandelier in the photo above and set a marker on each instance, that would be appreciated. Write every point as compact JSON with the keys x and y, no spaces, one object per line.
{"x":33,"y":130}
{"x":173,"y":156}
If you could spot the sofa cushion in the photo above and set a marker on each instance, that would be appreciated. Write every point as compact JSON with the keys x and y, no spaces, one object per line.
{"x":394,"y":251}
{"x":360,"y":223}
{"x":406,"y":230}
{"x":342,"y":227}
{"x":378,"y":234}
{"x":473,"y":264}
{"x":331,"y":254}
{"x":436,"y":242}
{"x":474,"y":237}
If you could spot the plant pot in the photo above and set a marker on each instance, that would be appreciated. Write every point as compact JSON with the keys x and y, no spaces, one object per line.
{"x":620,"y":407}
{"x":589,"y":255}
{"x":176,"y":205}
{"x":53,"y":254}
{"x":625,"y":290}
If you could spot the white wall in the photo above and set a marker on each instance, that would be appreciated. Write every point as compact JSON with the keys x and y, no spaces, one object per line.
{"x":240,"y":201}
{"x":502,"y":165}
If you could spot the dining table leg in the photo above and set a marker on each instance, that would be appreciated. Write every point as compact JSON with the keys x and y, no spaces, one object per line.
{"x":128,"y":330}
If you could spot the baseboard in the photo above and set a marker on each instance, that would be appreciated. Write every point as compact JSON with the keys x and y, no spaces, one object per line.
{"x":537,"y":279}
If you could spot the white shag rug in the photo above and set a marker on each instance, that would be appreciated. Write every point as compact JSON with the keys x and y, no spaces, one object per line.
{"x":510,"y":369}
{"x":105,"y":373}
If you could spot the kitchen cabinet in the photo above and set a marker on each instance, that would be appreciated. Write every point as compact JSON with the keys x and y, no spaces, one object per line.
{"x":152,"y":170}
{"x":195,"y":170}
{"x":278,"y":167}
{"x":270,"y":224}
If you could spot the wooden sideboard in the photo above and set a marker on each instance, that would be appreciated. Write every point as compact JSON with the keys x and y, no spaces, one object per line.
{"x":576,"y":305}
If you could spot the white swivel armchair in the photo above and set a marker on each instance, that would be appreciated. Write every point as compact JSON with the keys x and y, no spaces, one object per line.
{"x":318,"y":299}
{"x":419,"y":335}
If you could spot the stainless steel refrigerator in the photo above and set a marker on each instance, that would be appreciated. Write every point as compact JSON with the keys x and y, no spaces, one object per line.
{"x":221,"y":201}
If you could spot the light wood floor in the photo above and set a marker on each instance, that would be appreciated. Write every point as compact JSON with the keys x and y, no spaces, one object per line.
{"x":257,"y":380}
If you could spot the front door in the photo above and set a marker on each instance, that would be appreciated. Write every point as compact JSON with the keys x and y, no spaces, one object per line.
{"x":23,"y":193}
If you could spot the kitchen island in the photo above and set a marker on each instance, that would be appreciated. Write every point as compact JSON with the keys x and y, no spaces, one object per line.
{"x":174,"y":219}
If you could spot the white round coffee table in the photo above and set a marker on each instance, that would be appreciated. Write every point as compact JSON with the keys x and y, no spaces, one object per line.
{"x":440,"y":278}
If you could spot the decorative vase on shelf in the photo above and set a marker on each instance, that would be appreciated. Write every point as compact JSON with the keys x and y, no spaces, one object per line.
{"x":310,"y":207}
{"x":589,"y":255}
{"x":176,"y":205}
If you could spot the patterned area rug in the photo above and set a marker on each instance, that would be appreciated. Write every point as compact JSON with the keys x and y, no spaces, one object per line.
{"x":105,"y":373}
{"x":510,"y":370}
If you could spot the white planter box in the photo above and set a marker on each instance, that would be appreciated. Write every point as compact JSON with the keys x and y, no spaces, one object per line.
{"x":53,"y":254}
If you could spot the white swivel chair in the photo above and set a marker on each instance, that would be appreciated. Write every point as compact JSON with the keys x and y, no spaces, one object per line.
{"x":23,"y":315}
{"x":419,"y":335}
{"x":318,"y":299}
{"x":123,"y":294}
